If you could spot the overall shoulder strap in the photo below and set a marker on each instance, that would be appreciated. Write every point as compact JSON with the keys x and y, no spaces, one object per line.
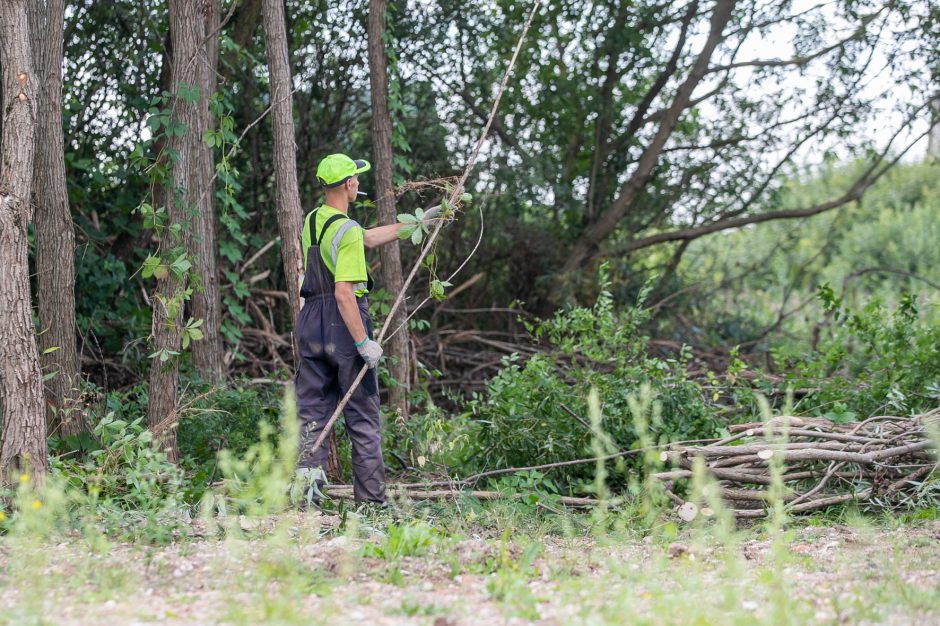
{"x":329,"y":221}
{"x":309,"y":222}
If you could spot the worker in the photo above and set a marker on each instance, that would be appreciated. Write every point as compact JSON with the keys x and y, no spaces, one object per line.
{"x":334,"y":335}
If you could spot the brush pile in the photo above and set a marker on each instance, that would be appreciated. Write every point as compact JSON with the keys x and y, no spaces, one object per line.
{"x":882,"y":462}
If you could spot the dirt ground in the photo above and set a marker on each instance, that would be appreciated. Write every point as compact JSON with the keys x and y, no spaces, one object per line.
{"x":305,"y":574}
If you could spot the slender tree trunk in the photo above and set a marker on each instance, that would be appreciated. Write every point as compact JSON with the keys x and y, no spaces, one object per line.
{"x":54,"y":231}
{"x":23,"y":438}
{"x":207,"y":300}
{"x":933,"y":140}
{"x":289,"y":211}
{"x":187,"y":31}
{"x":390,"y":256}
{"x":159,"y":146}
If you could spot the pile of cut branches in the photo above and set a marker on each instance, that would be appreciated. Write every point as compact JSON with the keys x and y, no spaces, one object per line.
{"x":882,"y":462}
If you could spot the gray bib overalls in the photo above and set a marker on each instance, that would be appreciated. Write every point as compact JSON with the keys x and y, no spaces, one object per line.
{"x":329,"y":362}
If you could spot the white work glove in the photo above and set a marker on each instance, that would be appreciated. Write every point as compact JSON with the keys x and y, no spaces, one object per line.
{"x":430,"y":216}
{"x":370,"y":352}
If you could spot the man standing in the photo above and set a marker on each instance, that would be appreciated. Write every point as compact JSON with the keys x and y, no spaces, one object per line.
{"x":334,"y":333}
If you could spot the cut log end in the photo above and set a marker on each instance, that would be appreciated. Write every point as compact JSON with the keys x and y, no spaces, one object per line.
{"x":687,"y":512}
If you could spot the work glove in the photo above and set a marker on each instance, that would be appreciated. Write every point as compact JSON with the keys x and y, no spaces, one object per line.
{"x":430,"y":216}
{"x":370,"y":352}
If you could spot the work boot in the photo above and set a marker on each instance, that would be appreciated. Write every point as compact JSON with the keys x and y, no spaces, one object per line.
{"x":306,"y":488}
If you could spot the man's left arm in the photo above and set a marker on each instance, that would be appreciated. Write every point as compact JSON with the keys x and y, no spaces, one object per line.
{"x":381,"y":235}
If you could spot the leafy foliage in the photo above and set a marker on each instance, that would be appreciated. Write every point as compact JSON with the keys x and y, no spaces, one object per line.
{"x":871,"y":361}
{"x":532,"y":413}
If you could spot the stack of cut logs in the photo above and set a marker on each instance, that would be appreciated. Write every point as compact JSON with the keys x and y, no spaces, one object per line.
{"x":879,"y":461}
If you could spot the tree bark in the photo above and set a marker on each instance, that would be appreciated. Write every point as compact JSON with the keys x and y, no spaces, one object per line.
{"x":607,"y":222}
{"x":289,"y":211}
{"x":53,"y":228}
{"x":390,"y":255}
{"x":207,"y":300}
{"x":187,"y":31}
{"x":23,"y":438}
{"x":933,"y":140}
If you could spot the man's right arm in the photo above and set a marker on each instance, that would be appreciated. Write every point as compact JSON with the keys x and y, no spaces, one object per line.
{"x":369,"y":350}
{"x":349,"y":310}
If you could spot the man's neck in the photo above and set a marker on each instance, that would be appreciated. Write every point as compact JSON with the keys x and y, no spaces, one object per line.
{"x":338,"y":203}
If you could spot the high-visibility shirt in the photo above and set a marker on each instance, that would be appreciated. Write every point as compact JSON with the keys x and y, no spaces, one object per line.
{"x":342,"y":247}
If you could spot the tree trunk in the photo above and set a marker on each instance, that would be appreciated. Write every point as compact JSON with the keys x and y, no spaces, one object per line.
{"x":933,"y":140}
{"x":187,"y":31}
{"x":389,"y":255}
{"x":607,"y":221}
{"x":289,"y":211}
{"x":207,"y":300}
{"x":23,"y":439}
{"x":53,"y":228}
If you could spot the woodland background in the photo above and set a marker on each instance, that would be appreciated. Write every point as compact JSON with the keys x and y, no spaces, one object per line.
{"x":717,"y":201}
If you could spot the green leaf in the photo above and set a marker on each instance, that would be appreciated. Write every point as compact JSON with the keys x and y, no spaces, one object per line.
{"x":151,"y":263}
{"x":407,"y":218}
{"x":188,"y":93}
{"x":181,"y":265}
{"x":51,"y":349}
{"x":437,"y":289}
{"x":417,"y":236}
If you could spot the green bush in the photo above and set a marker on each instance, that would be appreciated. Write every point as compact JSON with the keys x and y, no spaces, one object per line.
{"x":225,"y":418}
{"x":535,"y":412}
{"x":869,"y":361}
{"x":127,"y":482}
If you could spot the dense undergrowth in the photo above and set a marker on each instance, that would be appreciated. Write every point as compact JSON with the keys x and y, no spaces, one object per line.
{"x":624,"y":558}
{"x":867,"y":361}
{"x":845,"y":357}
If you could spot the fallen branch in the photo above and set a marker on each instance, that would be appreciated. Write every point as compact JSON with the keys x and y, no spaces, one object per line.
{"x":876,"y":462}
{"x":409,"y":491}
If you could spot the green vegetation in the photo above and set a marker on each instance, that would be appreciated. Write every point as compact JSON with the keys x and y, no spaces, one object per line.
{"x":479,"y":562}
{"x":594,"y":324}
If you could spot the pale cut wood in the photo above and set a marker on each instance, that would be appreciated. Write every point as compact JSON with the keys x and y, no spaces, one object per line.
{"x":869,"y":462}
{"x":346,"y":492}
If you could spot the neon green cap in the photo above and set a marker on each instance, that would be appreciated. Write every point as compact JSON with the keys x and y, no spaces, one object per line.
{"x":336,"y":169}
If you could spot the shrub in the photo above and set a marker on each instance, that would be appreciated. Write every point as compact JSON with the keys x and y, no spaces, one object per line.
{"x":533,"y":412}
{"x":226,"y":417}
{"x":869,"y":361}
